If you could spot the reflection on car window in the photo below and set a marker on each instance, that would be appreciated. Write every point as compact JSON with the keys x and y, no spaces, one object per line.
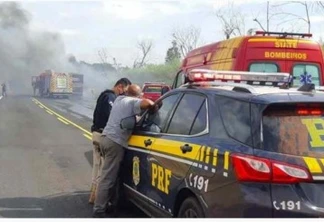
{"x":156,"y":122}
{"x":185,"y":114}
{"x":236,"y":118}
{"x":200,"y":121}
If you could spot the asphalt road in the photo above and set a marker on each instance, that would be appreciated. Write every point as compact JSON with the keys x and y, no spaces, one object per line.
{"x":46,"y":158}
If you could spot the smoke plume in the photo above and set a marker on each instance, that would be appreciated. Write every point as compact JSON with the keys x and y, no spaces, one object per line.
{"x":23,"y":52}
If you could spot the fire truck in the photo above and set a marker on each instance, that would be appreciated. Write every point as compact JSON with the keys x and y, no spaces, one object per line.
{"x":273,"y":52}
{"x":78,"y":82}
{"x":52,"y":84}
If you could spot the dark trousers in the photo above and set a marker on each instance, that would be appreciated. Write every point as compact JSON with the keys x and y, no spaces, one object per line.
{"x":107,"y":192}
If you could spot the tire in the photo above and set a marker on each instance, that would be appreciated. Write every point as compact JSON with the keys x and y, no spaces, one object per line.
{"x":190,"y":208}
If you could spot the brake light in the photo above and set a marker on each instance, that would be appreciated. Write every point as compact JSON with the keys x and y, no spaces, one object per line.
{"x":255,"y":169}
{"x":251,"y":168}
{"x":283,"y":173}
{"x":312,"y":112}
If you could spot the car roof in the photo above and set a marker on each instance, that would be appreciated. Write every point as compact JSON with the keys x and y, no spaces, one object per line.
{"x":260,"y":94}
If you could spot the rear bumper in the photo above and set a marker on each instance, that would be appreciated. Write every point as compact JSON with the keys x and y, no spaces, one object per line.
{"x":257,"y":200}
{"x":60,"y":94}
{"x":291,"y":201}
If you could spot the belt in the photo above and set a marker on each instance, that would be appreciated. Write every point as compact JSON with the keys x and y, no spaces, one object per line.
{"x":103,"y":135}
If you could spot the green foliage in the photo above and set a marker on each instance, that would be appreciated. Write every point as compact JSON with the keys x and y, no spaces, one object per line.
{"x":153,"y":73}
{"x":173,"y":53}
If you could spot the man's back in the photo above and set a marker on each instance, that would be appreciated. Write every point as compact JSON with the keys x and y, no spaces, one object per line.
{"x":124,"y":106}
{"x":102,"y":110}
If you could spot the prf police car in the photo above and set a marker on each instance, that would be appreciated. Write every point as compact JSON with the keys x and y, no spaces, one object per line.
{"x":219,"y":148}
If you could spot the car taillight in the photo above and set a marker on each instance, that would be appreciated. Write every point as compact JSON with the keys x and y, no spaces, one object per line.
{"x":251,"y":168}
{"x":255,"y":169}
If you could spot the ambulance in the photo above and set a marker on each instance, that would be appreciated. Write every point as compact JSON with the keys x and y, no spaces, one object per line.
{"x":270,"y":52}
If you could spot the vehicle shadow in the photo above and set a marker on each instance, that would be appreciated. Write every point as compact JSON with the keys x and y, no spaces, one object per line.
{"x":63,"y":205}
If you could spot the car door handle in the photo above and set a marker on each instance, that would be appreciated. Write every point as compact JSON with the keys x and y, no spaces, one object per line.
{"x":148,"y":142}
{"x":186,"y":148}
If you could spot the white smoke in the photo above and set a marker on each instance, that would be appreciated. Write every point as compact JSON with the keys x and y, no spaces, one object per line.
{"x":23,"y":52}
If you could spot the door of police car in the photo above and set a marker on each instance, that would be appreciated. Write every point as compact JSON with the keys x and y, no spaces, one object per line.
{"x":137,"y":175}
{"x":175,"y":148}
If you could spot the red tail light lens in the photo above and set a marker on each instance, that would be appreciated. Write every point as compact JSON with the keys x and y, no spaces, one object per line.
{"x":283,"y":173}
{"x":250,"y":168}
{"x":311,"y":112}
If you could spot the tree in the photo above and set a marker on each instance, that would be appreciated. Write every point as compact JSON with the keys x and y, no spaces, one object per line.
{"x":281,"y":13}
{"x":233,"y":21}
{"x":145,"y":47}
{"x":103,"y":55}
{"x":173,"y":53}
{"x":292,"y":17}
{"x":187,"y":38}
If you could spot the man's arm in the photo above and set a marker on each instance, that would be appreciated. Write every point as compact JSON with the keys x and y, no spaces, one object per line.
{"x":109,"y":100}
{"x":141,"y":104}
{"x":146,"y":104}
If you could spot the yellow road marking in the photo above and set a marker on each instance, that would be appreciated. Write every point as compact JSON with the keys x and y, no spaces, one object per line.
{"x":226,"y":160}
{"x":313,"y":165}
{"x":87,"y":136}
{"x":66,"y":120}
{"x":63,"y":121}
{"x":49,"y":112}
{"x":41,"y":106}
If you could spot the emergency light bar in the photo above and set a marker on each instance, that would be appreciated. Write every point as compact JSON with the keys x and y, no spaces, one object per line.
{"x":251,"y":78}
{"x":284,"y":34}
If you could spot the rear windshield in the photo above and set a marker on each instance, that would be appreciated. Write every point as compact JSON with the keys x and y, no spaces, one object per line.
{"x":263,"y":67}
{"x":152,"y":89}
{"x":296,"y":130}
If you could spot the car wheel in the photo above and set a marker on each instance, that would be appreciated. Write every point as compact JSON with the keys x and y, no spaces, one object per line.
{"x":190,"y":208}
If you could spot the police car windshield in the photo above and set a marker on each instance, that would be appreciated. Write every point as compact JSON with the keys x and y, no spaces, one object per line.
{"x":294,"y":129}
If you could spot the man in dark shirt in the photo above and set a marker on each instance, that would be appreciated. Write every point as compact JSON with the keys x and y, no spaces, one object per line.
{"x":100,"y":118}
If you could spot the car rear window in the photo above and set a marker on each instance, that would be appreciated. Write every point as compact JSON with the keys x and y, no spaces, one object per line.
{"x":294,"y":129}
{"x":152,"y":89}
{"x":263,"y":67}
{"x":306,"y":73}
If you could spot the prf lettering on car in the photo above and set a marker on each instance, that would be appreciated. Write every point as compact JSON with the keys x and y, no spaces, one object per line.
{"x":161,"y":178}
{"x":315,"y":128}
{"x":262,"y":52}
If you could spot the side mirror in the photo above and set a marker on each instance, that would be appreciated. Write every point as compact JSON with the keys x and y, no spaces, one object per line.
{"x":128,"y":123}
{"x":165,"y":90}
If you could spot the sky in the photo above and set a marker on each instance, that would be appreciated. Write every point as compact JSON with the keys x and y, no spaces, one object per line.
{"x":87,"y":26}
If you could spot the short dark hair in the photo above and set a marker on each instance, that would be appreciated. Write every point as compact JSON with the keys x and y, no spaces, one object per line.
{"x":124,"y":81}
